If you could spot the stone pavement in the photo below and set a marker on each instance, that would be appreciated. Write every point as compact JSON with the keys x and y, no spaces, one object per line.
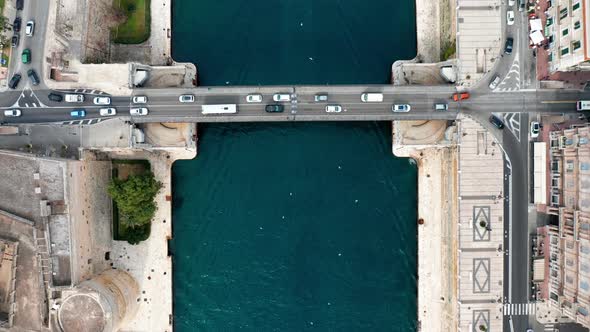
{"x":480,"y":230}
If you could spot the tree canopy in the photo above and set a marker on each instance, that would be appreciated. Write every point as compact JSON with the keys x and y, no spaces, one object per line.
{"x":135,"y":198}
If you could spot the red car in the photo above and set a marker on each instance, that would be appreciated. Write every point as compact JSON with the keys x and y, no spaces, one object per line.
{"x":460,"y":96}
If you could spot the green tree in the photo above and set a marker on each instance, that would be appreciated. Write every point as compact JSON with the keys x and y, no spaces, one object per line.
{"x":135,"y":199}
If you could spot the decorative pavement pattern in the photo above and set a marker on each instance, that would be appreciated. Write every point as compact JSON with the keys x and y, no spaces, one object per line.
{"x":511,"y":81}
{"x":512,"y":121}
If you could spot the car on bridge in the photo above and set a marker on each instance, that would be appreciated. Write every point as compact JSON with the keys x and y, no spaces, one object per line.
{"x":372,"y":97}
{"x":401,"y":108}
{"x":186,"y":99}
{"x":461,"y":96}
{"x":78,"y":113}
{"x":254,"y":98}
{"x":12,"y":113}
{"x":333,"y":109}
{"x":14,"y":81}
{"x":110,"y":111}
{"x":138,"y":111}
{"x":26,"y":56}
{"x":274,"y":108}
{"x":496,"y":121}
{"x":140,"y":99}
{"x":281,"y":97}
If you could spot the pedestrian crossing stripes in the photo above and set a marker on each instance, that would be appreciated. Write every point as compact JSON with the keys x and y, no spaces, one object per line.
{"x":549,"y":327}
{"x":519,"y":309}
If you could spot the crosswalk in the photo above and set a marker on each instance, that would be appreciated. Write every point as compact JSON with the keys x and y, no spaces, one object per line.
{"x":519,"y":309}
{"x":549,"y":327}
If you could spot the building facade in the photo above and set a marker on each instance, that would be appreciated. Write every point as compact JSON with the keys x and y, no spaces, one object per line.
{"x":567,"y":31}
{"x":566,"y":247}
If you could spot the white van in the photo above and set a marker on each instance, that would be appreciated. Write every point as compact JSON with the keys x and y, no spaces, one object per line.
{"x":372,"y":97}
{"x":583,"y":105}
{"x":74,"y":98}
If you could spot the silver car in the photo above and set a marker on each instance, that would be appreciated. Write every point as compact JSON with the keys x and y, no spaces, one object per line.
{"x":401,"y":108}
{"x":254,"y":98}
{"x":138,"y":111}
{"x":140,"y":99}
{"x":494,"y":82}
{"x":333,"y":109}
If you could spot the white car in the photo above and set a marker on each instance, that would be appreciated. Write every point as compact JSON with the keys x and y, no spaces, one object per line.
{"x":108,"y":111}
{"x":102,"y":100}
{"x":494,"y":82}
{"x":186,"y":99}
{"x":30,"y":28}
{"x":255,"y":98}
{"x":281,"y":97}
{"x":510,"y":3}
{"x":138,"y":111}
{"x":401,"y":108}
{"x":333,"y":108}
{"x":510,"y":17}
{"x":535,"y":129}
{"x":12,"y":113}
{"x":140,"y":99}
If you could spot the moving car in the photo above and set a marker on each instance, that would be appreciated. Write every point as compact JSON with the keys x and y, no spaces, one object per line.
{"x":78,"y":113}
{"x":508,"y":45}
{"x":401,"y":108}
{"x":26,"y":56}
{"x":496,"y":121}
{"x":254,"y":98}
{"x":55,"y":97}
{"x":460,"y":96}
{"x":333,"y":109}
{"x":372,"y":97}
{"x":14,"y":41}
{"x":102,"y":100}
{"x":14,"y":81}
{"x":441,"y":107}
{"x":583,"y":105}
{"x":535,"y":129}
{"x":274,"y":108}
{"x":17,"y":24}
{"x":33,"y":77}
{"x":494,"y":82}
{"x":186,"y":99}
{"x":12,"y":113}
{"x":30,"y":28}
{"x":138,"y":111}
{"x":321,"y":97}
{"x":110,"y":111}
{"x":140,"y":99}
{"x":281,"y":97}
{"x":510,"y":17}
{"x":74,"y":98}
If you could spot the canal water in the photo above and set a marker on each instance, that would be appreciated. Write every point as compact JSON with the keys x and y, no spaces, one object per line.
{"x":294,"y":226}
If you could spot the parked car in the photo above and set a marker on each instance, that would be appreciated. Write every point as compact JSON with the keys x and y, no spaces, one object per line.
{"x":78,"y":113}
{"x":33,"y":77}
{"x":138,"y":111}
{"x":14,"y":81}
{"x":12,"y":113}
{"x":110,"y":111}
{"x":496,"y":121}
{"x":30,"y":28}
{"x":441,"y":107}
{"x":510,"y":17}
{"x":320,"y":98}
{"x":460,"y":96}
{"x":401,"y":108}
{"x":274,"y":108}
{"x":17,"y":24}
{"x":102,"y":100}
{"x":254,"y":98}
{"x":186,"y":99}
{"x":333,"y":109}
{"x":14,"y":40}
{"x":20,"y":4}
{"x":74,"y":98}
{"x":535,"y":129}
{"x":508,"y":46}
{"x":140,"y":99}
{"x":26,"y":56}
{"x":281,"y":97}
{"x":55,"y":97}
{"x":494,"y":82}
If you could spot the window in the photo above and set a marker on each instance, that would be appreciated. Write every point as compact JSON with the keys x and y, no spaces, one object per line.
{"x":585,"y":249}
{"x":569,"y":279}
{"x":576,"y":6}
{"x":565,"y":51}
{"x":584,"y":267}
{"x":563,"y":13}
{"x":569,"y":262}
{"x":584,"y":285}
{"x":577,"y":44}
{"x":564,"y":32}
{"x":549,"y":21}
{"x":583,"y":311}
{"x":577,"y":25}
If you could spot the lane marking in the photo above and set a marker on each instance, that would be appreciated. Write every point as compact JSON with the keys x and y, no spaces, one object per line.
{"x":559,"y":101}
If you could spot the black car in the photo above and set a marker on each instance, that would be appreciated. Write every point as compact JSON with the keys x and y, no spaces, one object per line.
{"x":496,"y":122}
{"x":15,"y":41}
{"x":33,"y":77}
{"x":16,"y":24}
{"x":508,"y":45}
{"x":20,"y":4}
{"x":14,"y":81}
{"x":55,"y":97}
{"x":274,"y":108}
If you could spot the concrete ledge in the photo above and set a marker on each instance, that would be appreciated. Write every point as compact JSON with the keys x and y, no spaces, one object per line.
{"x":16,"y":218}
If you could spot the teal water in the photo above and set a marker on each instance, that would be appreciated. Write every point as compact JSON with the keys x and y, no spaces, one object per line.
{"x":294,"y":227}
{"x":267,"y":42}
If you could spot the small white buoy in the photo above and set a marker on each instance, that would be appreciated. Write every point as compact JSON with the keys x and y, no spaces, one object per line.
{"x":329,"y":303}
{"x":226,"y":82}
{"x":290,"y":194}
{"x":283,"y":217}
{"x":356,"y":200}
{"x":260,"y":227}
{"x":310,"y":323}
{"x":339,"y":167}
{"x":300,"y":23}
{"x":310,"y":58}
{"x":339,"y":254}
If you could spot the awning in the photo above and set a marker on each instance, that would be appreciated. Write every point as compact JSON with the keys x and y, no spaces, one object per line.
{"x":540,"y":172}
{"x":539,"y":269}
{"x":537,"y":37}
{"x":536,"y":25}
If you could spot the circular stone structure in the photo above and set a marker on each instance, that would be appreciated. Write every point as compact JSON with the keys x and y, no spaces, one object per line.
{"x":101,"y":304}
